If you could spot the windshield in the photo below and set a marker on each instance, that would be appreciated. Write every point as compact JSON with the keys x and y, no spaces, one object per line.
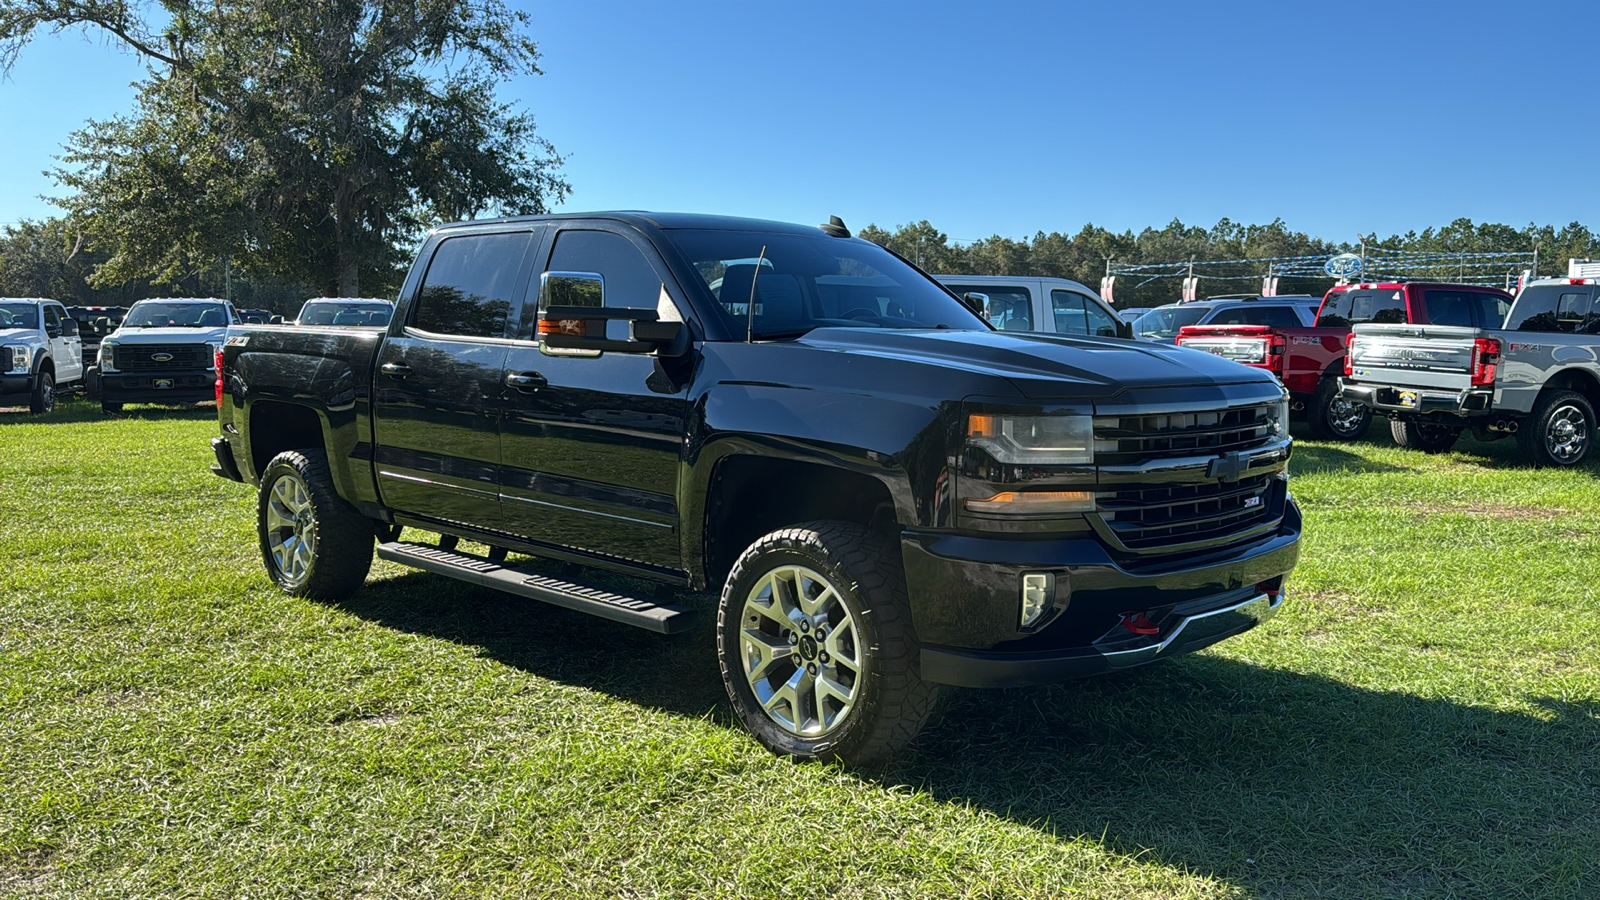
{"x":328,"y":312}
{"x":19,"y":315}
{"x":1165,"y":321}
{"x":808,"y":282}
{"x":155,"y":314}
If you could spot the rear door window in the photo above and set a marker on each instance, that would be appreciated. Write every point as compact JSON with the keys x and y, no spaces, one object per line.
{"x":1076,"y":313}
{"x":470,"y":286}
{"x":1010,"y":306}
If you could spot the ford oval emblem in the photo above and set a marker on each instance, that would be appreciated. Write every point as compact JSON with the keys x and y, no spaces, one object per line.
{"x":161,"y":357}
{"x":1345,"y":265}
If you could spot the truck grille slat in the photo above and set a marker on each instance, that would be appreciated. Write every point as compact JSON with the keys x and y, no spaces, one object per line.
{"x":1152,"y":516}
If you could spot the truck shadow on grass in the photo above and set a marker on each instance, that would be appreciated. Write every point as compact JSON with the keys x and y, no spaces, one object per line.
{"x":1316,"y":459}
{"x":1283,"y":784}
{"x":78,"y":411}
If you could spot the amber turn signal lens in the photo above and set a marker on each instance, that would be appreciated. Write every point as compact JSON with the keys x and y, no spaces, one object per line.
{"x":983,"y":426}
{"x":562,"y":326}
{"x":1033,"y":502}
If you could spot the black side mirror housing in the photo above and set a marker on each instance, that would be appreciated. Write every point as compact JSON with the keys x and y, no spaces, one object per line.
{"x":69,"y":327}
{"x":573,"y":316}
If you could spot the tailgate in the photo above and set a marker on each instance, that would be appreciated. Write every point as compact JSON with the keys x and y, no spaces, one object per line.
{"x":1436,"y":357}
{"x":1247,"y":344}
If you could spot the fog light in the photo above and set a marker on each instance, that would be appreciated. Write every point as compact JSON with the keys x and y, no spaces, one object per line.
{"x":1038,"y":595}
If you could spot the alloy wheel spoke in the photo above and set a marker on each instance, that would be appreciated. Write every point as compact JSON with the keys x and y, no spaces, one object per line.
{"x":762,"y":652}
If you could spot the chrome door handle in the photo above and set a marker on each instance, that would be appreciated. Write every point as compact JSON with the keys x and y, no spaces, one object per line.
{"x":397,"y":370}
{"x":525,"y":381}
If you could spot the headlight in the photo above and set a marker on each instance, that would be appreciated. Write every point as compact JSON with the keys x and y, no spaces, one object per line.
{"x":17,"y":357}
{"x":1034,"y":440}
{"x":108,"y":362}
{"x":1279,"y":425}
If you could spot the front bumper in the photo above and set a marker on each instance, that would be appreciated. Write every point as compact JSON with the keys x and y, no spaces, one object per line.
{"x":965,"y":603}
{"x":1406,"y":402}
{"x":16,"y":383}
{"x":187,"y":386}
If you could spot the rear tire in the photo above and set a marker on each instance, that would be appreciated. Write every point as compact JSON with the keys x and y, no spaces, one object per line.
{"x":853,"y":695}
{"x":1425,"y":436}
{"x":1559,"y":431}
{"x":313,"y":543}
{"x":43,"y":397}
{"x":109,"y":408}
{"x":1333,"y":419}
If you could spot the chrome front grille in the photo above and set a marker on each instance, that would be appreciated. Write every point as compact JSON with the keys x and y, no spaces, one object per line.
{"x":1160,"y":485}
{"x":142,"y":357}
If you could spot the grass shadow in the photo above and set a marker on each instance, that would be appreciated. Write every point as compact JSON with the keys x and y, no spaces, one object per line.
{"x":1285,"y":784}
{"x":77,"y":411}
{"x":1316,"y":459}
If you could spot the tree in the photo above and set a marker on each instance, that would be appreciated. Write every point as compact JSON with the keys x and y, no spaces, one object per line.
{"x":304,"y":140}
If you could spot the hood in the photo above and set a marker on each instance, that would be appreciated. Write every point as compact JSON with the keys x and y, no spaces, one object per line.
{"x":14,"y":335}
{"x":168,"y":335}
{"x":1045,"y":366}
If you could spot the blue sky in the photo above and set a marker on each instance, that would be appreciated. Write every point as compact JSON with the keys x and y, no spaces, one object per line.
{"x":1011,"y":118}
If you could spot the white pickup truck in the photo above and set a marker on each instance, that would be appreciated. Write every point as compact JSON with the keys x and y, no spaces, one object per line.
{"x":164,"y":352}
{"x":1536,"y":377}
{"x":39,"y":350}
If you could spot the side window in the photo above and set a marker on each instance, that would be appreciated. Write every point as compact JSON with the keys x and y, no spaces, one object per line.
{"x":1010,"y":307}
{"x":467,"y":291}
{"x":1555,"y":308}
{"x":1491,"y":309}
{"x":1232,"y":315}
{"x":1101,"y":323}
{"x":1335,"y":311}
{"x":52,"y":319}
{"x":1275,"y":316}
{"x":1067,"y":307}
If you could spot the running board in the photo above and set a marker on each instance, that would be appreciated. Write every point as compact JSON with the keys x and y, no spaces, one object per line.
{"x":629,"y":609}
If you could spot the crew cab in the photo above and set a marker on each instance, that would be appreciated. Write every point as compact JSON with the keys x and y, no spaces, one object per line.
{"x":39,"y":350}
{"x":871,"y":490}
{"x":164,"y":352}
{"x":1053,"y":305}
{"x":348,"y":312}
{"x":1535,"y":376}
{"x":1309,"y":361}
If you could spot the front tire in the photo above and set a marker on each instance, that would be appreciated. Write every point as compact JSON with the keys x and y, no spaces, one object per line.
{"x":313,"y":543}
{"x":43,"y":397}
{"x":816,"y":645}
{"x":1336,"y":419}
{"x":1559,"y":431}
{"x":1428,"y":437}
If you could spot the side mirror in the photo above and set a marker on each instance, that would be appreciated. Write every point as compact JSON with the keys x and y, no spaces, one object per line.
{"x":573,"y":316}
{"x":69,"y":327}
{"x":275,"y":320}
{"x":52,"y":331}
{"x":978,"y":303}
{"x":1124,"y":329}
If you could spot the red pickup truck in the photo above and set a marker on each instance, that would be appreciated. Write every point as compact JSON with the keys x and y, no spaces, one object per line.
{"x":1309,"y":360}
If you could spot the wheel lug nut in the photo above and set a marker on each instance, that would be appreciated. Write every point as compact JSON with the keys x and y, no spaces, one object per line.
{"x":811,"y":668}
{"x":805,"y":624}
{"x":793,"y":638}
{"x":823,"y":657}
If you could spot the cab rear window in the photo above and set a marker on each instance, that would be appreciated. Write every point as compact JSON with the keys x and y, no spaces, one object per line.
{"x":1561,"y":308}
{"x":1344,"y":309}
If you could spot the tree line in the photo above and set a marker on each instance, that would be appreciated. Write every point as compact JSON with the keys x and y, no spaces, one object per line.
{"x":1082,"y":256}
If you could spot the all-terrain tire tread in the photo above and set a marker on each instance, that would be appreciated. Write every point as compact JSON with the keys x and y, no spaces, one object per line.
{"x":344,"y":536}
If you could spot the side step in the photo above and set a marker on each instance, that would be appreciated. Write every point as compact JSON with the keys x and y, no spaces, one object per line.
{"x":629,"y":609}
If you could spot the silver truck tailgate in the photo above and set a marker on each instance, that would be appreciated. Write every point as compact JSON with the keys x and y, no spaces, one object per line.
{"x":1434,"y":357}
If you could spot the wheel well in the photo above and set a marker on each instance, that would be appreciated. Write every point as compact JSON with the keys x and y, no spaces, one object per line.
{"x":46,"y":364}
{"x":1576,"y":380}
{"x":752,"y":496}
{"x":276,"y":427}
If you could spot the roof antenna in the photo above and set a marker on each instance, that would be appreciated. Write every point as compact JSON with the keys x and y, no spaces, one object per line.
{"x":750,"y":308}
{"x":835,"y":227}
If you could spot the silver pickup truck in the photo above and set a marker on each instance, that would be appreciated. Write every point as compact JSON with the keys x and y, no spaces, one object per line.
{"x":1537,"y":377}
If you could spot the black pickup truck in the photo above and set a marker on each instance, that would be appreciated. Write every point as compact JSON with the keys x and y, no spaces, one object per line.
{"x":875,"y":492}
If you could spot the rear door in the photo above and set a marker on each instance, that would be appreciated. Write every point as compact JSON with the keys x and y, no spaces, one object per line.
{"x":591,"y":444}
{"x":437,"y":386}
{"x":1074,"y":312}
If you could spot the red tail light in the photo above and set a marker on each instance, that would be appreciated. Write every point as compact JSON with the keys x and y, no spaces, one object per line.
{"x":219,"y":379}
{"x":1275,"y":356}
{"x":1485,"y":353}
{"x":1349,"y":351}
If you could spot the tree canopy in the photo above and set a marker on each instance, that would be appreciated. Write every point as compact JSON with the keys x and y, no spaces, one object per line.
{"x":309,"y":141}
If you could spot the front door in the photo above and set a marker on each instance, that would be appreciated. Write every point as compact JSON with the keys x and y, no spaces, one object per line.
{"x":438,"y":386}
{"x":591,"y":444}
{"x":65,"y":349}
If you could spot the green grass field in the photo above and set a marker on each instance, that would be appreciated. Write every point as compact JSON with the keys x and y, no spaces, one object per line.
{"x":1422,"y":720}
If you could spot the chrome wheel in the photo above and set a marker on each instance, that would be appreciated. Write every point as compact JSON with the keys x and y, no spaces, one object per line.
{"x":800,"y":651}
{"x":291,"y":527}
{"x":1345,"y":416}
{"x":1566,"y":433}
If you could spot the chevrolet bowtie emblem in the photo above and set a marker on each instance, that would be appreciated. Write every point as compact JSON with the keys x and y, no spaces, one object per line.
{"x":1229,"y":466}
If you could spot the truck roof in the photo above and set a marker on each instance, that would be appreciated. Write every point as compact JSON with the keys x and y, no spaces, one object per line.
{"x":1402,"y":285}
{"x":664,"y":221}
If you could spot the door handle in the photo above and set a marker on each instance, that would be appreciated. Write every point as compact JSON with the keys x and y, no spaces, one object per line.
{"x":397,"y":370}
{"x":525,"y":381}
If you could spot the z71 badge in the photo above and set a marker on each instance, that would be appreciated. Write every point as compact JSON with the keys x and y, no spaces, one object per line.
{"x":238,"y":340}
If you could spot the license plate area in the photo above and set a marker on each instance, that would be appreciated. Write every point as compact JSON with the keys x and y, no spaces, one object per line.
{"x":162,"y":384}
{"x":1408,"y":399}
